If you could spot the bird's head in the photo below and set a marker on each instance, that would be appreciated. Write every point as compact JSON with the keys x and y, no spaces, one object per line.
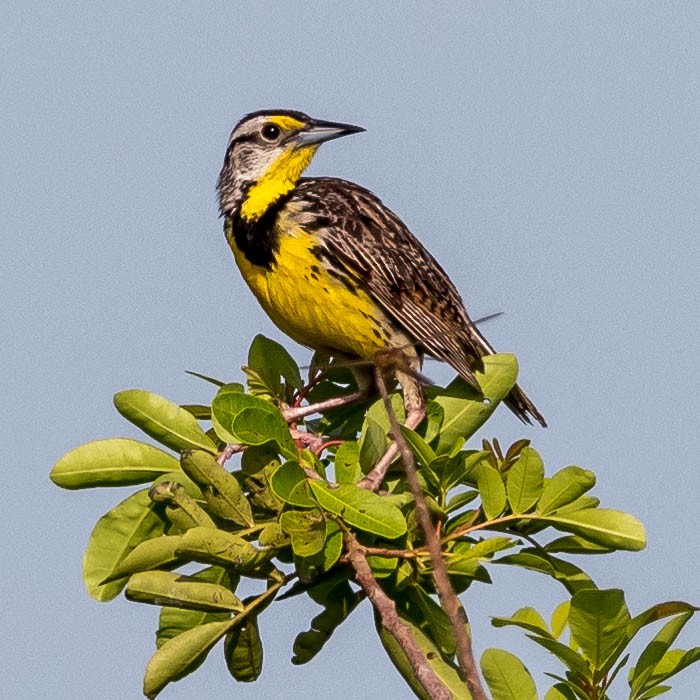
{"x":266,"y":155}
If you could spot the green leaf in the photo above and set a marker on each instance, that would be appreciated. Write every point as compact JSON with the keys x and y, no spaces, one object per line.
{"x":526,"y":618}
{"x":181,"y":509}
{"x":243,"y":651}
{"x":506,"y":676}
{"x":116,"y":534}
{"x":221,"y":489}
{"x":307,"y":530}
{"x":175,"y":621}
{"x":212,"y":546}
{"x":581,"y":503}
{"x":560,"y":618}
{"x":178,"y":656}
{"x":421,"y":449}
{"x":179,"y":477}
{"x":255,"y":458}
{"x":575,"y":663}
{"x":180,"y":591}
{"x":116,"y":462}
{"x":483,"y":549}
{"x":572,"y":544}
{"x":565,"y":487}
{"x":338,"y":603}
{"x":559,"y":692}
{"x":382,"y":566}
{"x":671,"y":663}
{"x":373,"y":444}
{"x":210,"y":380}
{"x":459,"y":500}
{"x":290,"y":483}
{"x":658,"y":612}
{"x":333,"y":548}
{"x":609,"y":528}
{"x":525,"y":479}
{"x":491,"y":490}
{"x":347,"y":463}
{"x":156,"y":553}
{"x":163,"y":420}
{"x":309,"y":567}
{"x":242,"y":418}
{"x":433,"y":421}
{"x":425,"y":612}
{"x":253,"y":426}
{"x":598,"y":621}
{"x":363,"y":509}
{"x":568,"y":574}
{"x":463,"y":411}
{"x":655,"y":650}
{"x":655,"y":692}
{"x":447,"y":672}
{"x":271,"y":361}
{"x":199,"y":411}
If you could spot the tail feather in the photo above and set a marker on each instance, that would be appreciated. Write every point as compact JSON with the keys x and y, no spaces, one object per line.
{"x":476,"y":347}
{"x":518,"y":402}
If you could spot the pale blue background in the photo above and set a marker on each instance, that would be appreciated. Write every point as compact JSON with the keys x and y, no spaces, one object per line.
{"x":547,"y":153}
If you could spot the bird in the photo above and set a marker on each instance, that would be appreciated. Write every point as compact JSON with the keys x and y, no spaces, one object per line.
{"x":333,"y":267}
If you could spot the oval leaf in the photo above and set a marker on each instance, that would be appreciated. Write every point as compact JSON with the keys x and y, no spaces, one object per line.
{"x":213,"y":546}
{"x":243,"y":651}
{"x":655,"y":650}
{"x":506,"y":676}
{"x":179,"y":591}
{"x":609,"y":528}
{"x":178,"y":656}
{"x":117,"y":462}
{"x":464,"y":412}
{"x":525,"y":479}
{"x":598,"y":622}
{"x":565,"y":487}
{"x":363,"y":509}
{"x":175,"y":621}
{"x":491,"y":490}
{"x":289,"y":482}
{"x":338,"y":603}
{"x":163,"y":420}
{"x":156,"y":553}
{"x":307,"y":530}
{"x":221,"y":489}
{"x":271,"y":361}
{"x":116,"y":534}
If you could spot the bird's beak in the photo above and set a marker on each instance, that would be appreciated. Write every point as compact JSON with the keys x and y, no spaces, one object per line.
{"x":318,"y":131}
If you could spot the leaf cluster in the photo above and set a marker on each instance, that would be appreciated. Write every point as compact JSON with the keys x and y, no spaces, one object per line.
{"x":240,"y":495}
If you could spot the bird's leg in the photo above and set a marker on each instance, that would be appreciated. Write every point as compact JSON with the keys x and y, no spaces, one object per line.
{"x":406,"y":369}
{"x":365,"y":384}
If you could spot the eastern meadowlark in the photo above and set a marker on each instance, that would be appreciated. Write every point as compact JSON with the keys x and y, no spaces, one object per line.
{"x":332,"y":266}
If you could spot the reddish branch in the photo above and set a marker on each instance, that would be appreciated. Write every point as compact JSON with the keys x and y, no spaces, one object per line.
{"x":391,"y":622}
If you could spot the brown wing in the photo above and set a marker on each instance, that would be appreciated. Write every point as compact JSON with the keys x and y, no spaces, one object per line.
{"x":359,"y":236}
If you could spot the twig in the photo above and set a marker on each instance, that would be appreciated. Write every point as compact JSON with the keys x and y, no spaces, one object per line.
{"x":392,"y":623}
{"x":373,"y":479}
{"x":294,"y":413}
{"x":228,"y":452}
{"x":448,"y":598}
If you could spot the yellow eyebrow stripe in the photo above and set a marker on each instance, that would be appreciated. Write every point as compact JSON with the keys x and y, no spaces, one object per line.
{"x":287,"y":123}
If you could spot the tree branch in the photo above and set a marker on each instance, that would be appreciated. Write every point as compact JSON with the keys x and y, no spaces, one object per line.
{"x":391,"y":621}
{"x":448,"y":598}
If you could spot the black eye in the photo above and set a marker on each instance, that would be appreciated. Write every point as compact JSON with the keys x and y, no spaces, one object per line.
{"x":270,"y":132}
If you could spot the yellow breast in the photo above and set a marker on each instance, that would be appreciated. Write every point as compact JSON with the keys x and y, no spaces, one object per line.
{"x":310,"y":305}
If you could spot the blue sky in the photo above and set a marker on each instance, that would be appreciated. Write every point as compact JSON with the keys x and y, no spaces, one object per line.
{"x":547,"y":154}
